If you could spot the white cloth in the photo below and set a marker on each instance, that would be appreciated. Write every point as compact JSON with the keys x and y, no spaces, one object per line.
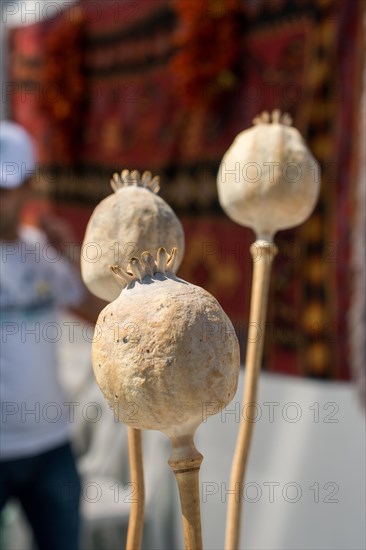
{"x":17,"y":160}
{"x":35,"y":282}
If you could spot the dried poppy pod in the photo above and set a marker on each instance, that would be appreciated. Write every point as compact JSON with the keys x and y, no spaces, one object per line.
{"x":162,"y":351}
{"x":166,"y":346}
{"x":268,"y":179}
{"x":133,"y":219}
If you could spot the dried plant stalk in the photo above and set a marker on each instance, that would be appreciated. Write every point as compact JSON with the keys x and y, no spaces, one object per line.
{"x":136,"y":519}
{"x":185,"y":461}
{"x":262,"y":253}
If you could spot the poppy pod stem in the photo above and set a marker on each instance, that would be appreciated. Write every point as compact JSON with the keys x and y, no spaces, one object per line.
{"x":262,"y":253}
{"x":185,"y":462}
{"x":136,"y":519}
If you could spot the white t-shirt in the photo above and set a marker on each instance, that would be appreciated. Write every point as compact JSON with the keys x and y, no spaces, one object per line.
{"x":35,"y":282}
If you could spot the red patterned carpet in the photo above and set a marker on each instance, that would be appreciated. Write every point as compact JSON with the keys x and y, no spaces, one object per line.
{"x":166,"y":86}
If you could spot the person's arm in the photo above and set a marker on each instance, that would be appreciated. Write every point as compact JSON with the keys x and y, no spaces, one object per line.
{"x":60,"y":235}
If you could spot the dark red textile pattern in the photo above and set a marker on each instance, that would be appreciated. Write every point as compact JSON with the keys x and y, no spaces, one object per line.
{"x":300,"y":56}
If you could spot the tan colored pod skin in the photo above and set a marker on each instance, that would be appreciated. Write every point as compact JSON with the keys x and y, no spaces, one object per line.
{"x":126,"y":223}
{"x":164,"y":351}
{"x":268,"y":179}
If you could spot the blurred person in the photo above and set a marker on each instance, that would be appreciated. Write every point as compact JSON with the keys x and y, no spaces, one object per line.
{"x":37,"y":466}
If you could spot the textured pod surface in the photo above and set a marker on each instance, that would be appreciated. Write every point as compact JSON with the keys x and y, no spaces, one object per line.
{"x":268,"y":179}
{"x":163,"y":353}
{"x":126,"y":223}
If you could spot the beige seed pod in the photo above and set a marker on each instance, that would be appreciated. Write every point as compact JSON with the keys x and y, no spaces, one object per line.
{"x":133,"y":219}
{"x":165,"y":347}
{"x":163,"y":350}
{"x":268,"y":179}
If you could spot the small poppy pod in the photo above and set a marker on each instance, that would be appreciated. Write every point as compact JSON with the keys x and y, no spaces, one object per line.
{"x":268,"y":179}
{"x":164,"y":349}
{"x":133,"y":219}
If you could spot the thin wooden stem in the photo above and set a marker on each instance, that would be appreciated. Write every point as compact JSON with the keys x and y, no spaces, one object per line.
{"x":185,"y":461}
{"x":136,"y":520}
{"x":262,"y":253}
